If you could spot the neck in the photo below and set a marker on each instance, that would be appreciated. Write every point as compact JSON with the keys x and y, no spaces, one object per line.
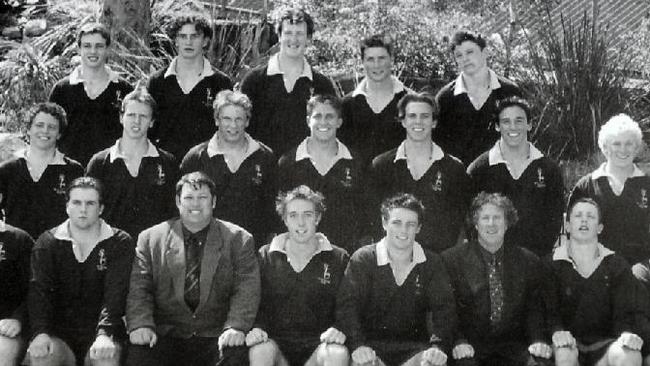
{"x":239,"y":145}
{"x":320,"y":147}
{"x":583,"y":249}
{"x":302,"y":249}
{"x":618,"y":171}
{"x":129,"y":146}
{"x":511,"y":153}
{"x":480,"y":78}
{"x":196,"y":227}
{"x":490,"y":247}
{"x":94,"y":73}
{"x":40,"y":154}
{"x":290,"y":63}
{"x":184,"y":65}
{"x":400,"y":255}
{"x":423,"y":147}
{"x":385,"y":85}
{"x":85,"y":235}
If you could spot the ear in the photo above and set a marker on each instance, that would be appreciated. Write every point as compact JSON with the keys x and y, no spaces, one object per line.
{"x":600,"y":228}
{"x":101,"y":209}
{"x":435,"y":124}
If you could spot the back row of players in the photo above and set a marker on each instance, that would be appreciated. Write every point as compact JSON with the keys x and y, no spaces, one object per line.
{"x":139,"y":176}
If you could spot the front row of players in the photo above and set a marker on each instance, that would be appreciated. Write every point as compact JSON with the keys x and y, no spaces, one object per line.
{"x":195,"y":287}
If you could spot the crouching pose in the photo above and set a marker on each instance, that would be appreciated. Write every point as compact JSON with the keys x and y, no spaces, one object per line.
{"x":592,"y":296}
{"x":301,"y":272}
{"x":388,"y":290}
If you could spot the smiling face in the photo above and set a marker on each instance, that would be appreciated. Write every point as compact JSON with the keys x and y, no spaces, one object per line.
{"x":231,"y":122}
{"x":513,"y":126}
{"x":401,"y":227}
{"x":621,"y":149}
{"x":301,"y":220}
{"x":83,"y":208}
{"x":136,"y":120}
{"x":377,"y":63}
{"x":195,"y":205}
{"x":583,"y":223}
{"x":293,"y":39}
{"x":491,"y":226}
{"x":190,"y":42}
{"x":323,"y":122}
{"x":470,"y":58}
{"x":93,"y":50}
{"x":418,"y":121}
{"x":44,"y":131}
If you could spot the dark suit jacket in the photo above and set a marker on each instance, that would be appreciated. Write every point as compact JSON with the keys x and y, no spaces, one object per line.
{"x":229,"y":284}
{"x":522,"y":317}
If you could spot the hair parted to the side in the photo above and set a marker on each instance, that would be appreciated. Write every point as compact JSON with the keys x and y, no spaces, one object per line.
{"x":301,"y":192}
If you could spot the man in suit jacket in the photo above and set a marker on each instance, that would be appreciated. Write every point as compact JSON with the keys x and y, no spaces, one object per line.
{"x":195,"y":286}
{"x":497,"y":288}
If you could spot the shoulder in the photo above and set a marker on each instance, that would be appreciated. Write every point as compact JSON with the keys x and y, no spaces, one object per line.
{"x":195,"y":151}
{"x":507,"y":83}
{"x":288,"y":158}
{"x":480,"y":163}
{"x":157,"y":78}
{"x":10,"y":164}
{"x":16,"y":237}
{"x":526,"y":257}
{"x":62,"y":84}
{"x":73,"y":164}
{"x":99,"y":157}
{"x":384,"y":159}
{"x":446,"y":91}
{"x":455,"y":253}
{"x":365,"y":255}
{"x":231,"y":232}
{"x":46,"y":240}
{"x":255,"y":74}
{"x":166,"y":156}
{"x":453,"y":163}
{"x":221,"y":78}
{"x":265,"y":151}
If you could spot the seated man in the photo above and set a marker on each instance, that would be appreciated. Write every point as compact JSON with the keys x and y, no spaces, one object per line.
{"x":242,"y":169}
{"x":388,"y":290}
{"x":195,"y":286}
{"x":497,"y":289}
{"x":323,"y":163}
{"x":15,"y":250}
{"x":139,"y":177}
{"x":80,"y":274}
{"x":301,"y":272}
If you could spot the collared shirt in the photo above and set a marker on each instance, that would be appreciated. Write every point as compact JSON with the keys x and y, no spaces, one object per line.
{"x":495,"y":156}
{"x":461,"y":88}
{"x":362,"y":88}
{"x":207,"y":71}
{"x":279,"y":244}
{"x":57,"y":160}
{"x":214,"y":148}
{"x":273,"y":67}
{"x":115,"y":152}
{"x":488,"y":256}
{"x":76,"y":77}
{"x":616,"y":185}
{"x":341,"y":153}
{"x":62,"y":232}
{"x":561,"y":253}
{"x":383,"y":258}
{"x":436,"y":154}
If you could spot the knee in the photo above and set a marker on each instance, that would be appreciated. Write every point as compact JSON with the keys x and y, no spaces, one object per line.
{"x":566,"y":356}
{"x":617,"y":355}
{"x":332,"y":354}
{"x":10,"y":350}
{"x":262,"y":353}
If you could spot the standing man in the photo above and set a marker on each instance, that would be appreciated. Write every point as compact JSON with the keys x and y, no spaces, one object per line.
{"x":195,"y":286}
{"x":242,"y":169}
{"x":184,"y":91}
{"x":91,"y":96}
{"x":467,"y":104}
{"x":388,"y":291}
{"x":280,"y":90}
{"x":15,"y":250}
{"x":80,"y":277}
{"x":139,"y":178}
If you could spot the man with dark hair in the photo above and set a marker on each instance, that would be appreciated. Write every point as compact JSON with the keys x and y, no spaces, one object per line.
{"x":533,"y":182}
{"x":80,"y":274}
{"x":467,"y":104}
{"x":195,"y":286}
{"x":280,"y":90}
{"x":184,"y":91}
{"x":370,"y":125}
{"x":91,"y":96}
{"x":388,"y":290}
{"x":139,"y":177}
{"x":498,"y":292}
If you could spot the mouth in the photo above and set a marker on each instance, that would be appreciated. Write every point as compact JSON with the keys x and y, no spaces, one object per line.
{"x":583,"y":228}
{"x":514,"y":134}
{"x":93,"y":58}
{"x":44,"y":138}
{"x":417,"y":129}
{"x":323,"y":129}
{"x":135,"y":129}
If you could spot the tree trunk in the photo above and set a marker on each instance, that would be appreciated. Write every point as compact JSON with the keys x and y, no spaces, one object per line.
{"x":126,"y":19}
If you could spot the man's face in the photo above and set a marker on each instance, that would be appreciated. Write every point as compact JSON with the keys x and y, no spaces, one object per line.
{"x":621,"y":149}
{"x":231,"y":123}
{"x":294,"y":39}
{"x":470,"y":58}
{"x":513,"y":126}
{"x":44,"y":131}
{"x":83,"y":208}
{"x":583,"y":223}
{"x":491,"y":226}
{"x":377,"y":63}
{"x":418,"y":121}
{"x":136,"y":120}
{"x":401,"y":227}
{"x":323,"y":122}
{"x":190,"y":42}
{"x":301,"y":220}
{"x":195,"y":205}
{"x":93,"y":50}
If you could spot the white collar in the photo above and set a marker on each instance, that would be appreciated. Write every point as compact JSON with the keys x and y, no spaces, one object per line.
{"x":342,"y":152}
{"x":57,"y":160}
{"x":62,"y":232}
{"x":214,"y":148}
{"x":207,"y":69}
{"x":460,"y":88}
{"x":383,"y":258}
{"x":436,"y":154}
{"x":398,"y":87}
{"x":279,"y":244}
{"x":561,"y":253}
{"x":495,"y":155}
{"x":601,"y":172}
{"x":273,"y":67}
{"x":114,"y":151}
{"x":76,"y":76}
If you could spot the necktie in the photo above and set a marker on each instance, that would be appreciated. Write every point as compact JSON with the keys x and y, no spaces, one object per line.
{"x":496,"y":292}
{"x":193,"y":272}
